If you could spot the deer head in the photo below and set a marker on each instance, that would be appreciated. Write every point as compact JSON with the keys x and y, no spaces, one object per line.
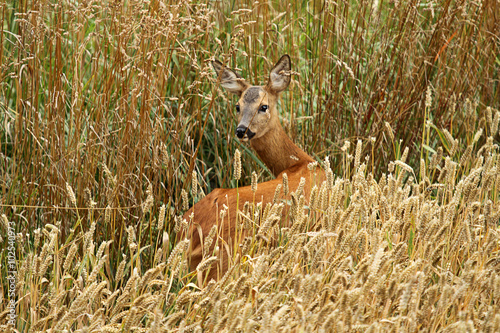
{"x":256,"y":107}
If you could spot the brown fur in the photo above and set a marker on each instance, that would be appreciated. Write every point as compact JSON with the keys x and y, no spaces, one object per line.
{"x":252,"y":94}
{"x":206,"y":214}
{"x":275,"y":149}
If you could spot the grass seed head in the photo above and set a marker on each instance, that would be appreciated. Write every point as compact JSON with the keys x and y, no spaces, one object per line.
{"x":71,"y":194}
{"x":285,"y":184}
{"x":185,"y":200}
{"x":237,"y":165}
{"x":357,"y":156}
{"x":254,"y":182}
{"x":161,"y":218}
{"x":194,"y":184}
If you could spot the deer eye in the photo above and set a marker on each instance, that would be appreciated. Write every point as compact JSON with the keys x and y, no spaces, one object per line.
{"x":237,"y":108}
{"x":263,"y":108}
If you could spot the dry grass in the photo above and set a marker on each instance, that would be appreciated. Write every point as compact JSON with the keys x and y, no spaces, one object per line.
{"x":366,"y":255}
{"x":109,"y":111}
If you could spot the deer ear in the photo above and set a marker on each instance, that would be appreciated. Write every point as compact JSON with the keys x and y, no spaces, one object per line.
{"x":279,"y":78}
{"x":231,"y":81}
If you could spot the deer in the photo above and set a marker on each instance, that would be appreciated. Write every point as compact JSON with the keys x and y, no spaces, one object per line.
{"x":260,"y":127}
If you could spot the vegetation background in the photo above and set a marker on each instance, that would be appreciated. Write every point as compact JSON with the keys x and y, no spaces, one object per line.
{"x":109,"y":108}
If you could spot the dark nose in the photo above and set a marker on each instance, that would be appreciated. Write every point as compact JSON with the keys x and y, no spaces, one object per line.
{"x":240,"y":131}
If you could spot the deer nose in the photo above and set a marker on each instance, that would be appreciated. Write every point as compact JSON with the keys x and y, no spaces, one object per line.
{"x":240,"y":131}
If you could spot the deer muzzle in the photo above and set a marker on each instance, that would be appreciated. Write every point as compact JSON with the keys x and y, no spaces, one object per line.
{"x":244,"y":133}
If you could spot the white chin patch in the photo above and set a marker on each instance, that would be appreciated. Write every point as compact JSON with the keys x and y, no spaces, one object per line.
{"x":245,"y":139}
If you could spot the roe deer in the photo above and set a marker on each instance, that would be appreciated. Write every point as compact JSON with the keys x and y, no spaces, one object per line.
{"x":259,"y":125}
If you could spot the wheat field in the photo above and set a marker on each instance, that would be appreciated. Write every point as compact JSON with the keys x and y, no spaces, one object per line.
{"x":113,"y":125}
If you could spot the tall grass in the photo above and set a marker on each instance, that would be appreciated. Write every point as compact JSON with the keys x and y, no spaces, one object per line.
{"x":108,"y":109}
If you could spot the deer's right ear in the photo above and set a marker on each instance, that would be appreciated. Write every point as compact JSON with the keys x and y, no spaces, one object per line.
{"x":231,"y":81}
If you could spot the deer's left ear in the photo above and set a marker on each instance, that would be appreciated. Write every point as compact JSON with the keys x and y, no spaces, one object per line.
{"x":279,"y":78}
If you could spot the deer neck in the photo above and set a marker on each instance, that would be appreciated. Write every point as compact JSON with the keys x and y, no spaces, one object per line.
{"x":278,"y":152}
